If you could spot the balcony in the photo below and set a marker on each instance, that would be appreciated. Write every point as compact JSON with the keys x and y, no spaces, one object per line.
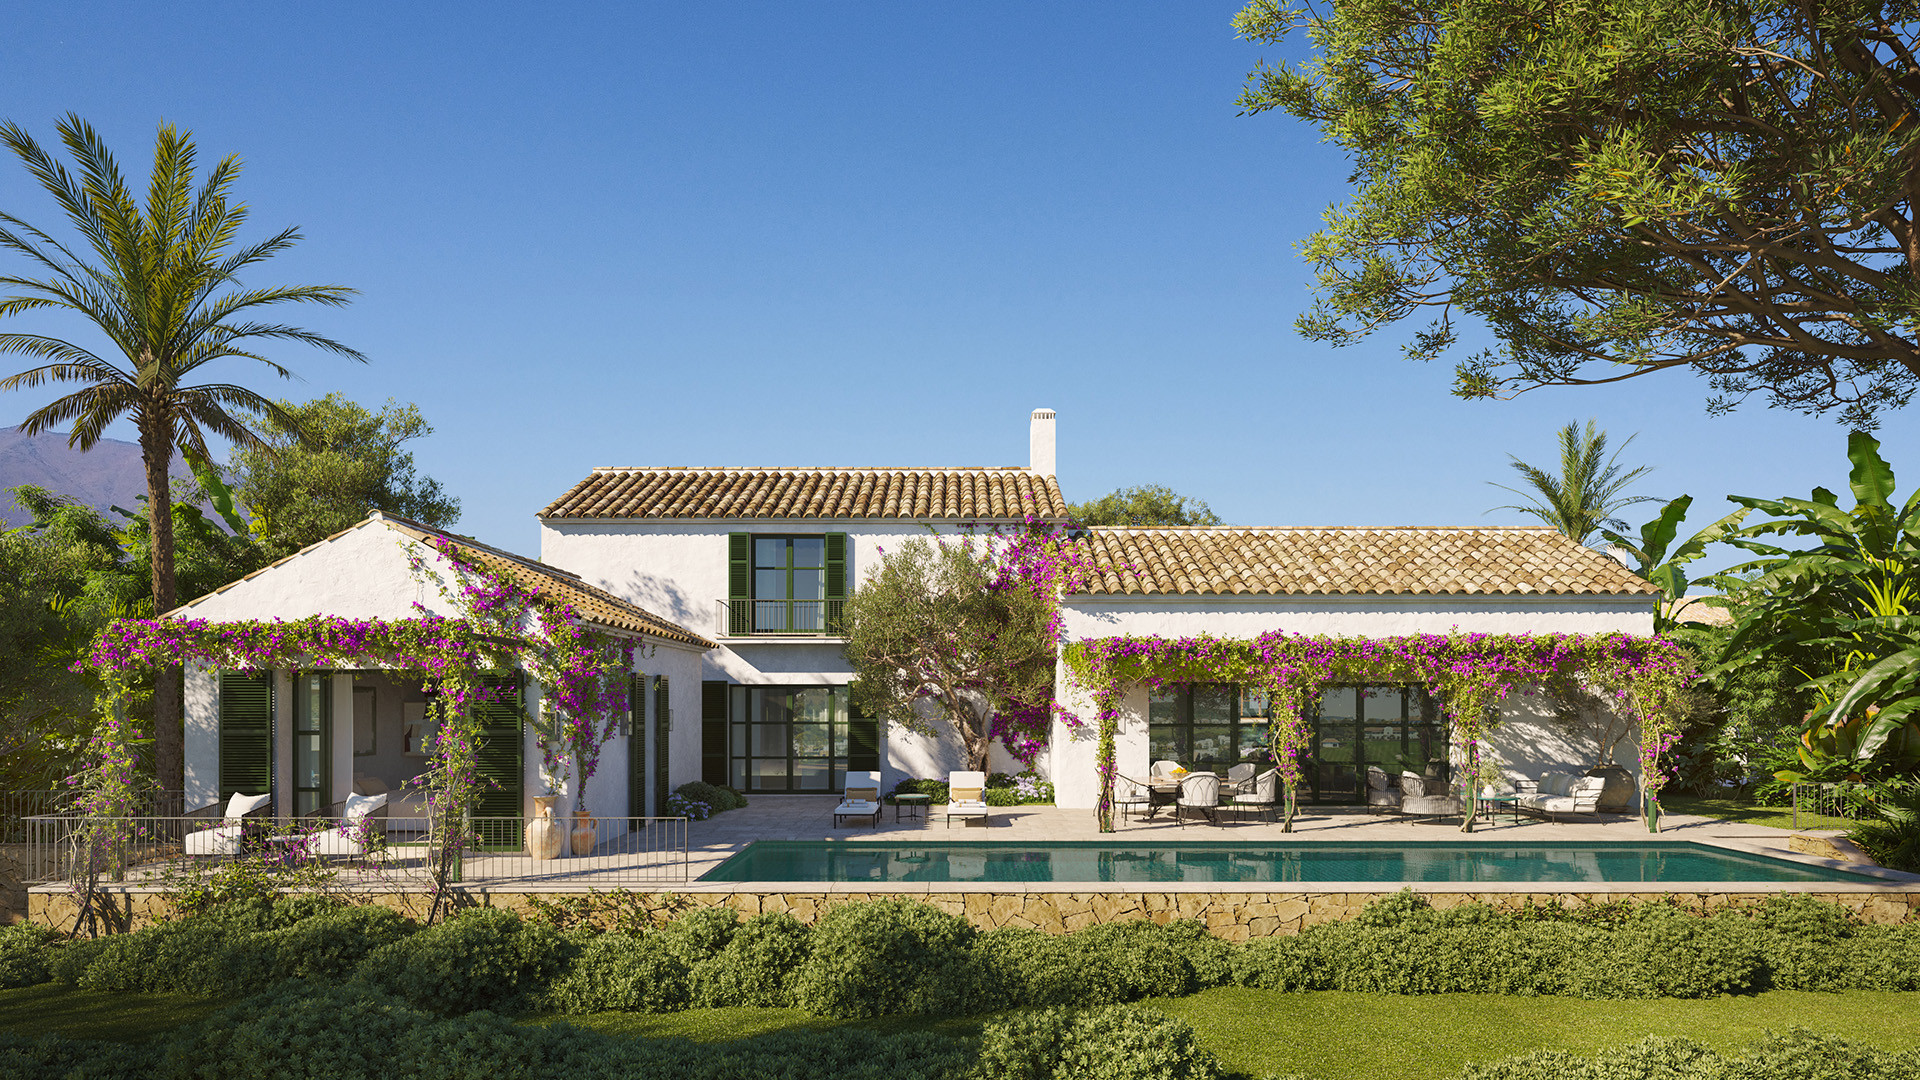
{"x":781,"y":618}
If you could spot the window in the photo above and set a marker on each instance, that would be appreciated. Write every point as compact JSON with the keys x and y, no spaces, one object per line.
{"x":1207,"y":727}
{"x":1393,"y":727}
{"x":785,"y":584}
{"x":796,"y":738}
{"x":312,"y":749}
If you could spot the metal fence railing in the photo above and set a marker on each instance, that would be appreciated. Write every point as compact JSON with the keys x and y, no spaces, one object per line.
{"x":743,"y":618}
{"x":17,"y":806}
{"x":399,"y":853}
{"x":1832,"y":805}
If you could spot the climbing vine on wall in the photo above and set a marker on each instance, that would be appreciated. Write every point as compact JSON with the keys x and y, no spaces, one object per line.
{"x":1468,"y":674}
{"x":506,"y":623}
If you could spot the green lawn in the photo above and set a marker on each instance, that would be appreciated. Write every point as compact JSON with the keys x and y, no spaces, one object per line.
{"x":1336,"y":1036}
{"x":1746,"y":813}
{"x":1327,"y":1036}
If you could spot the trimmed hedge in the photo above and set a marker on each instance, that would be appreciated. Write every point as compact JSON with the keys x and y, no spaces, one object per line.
{"x":485,"y":959}
{"x":1797,"y":1055}
{"x":890,"y":957}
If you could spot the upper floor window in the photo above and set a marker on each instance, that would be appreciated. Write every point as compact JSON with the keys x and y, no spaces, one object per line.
{"x":785,"y":584}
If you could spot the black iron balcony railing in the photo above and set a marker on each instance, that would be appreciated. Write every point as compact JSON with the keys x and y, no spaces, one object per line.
{"x":790,"y":618}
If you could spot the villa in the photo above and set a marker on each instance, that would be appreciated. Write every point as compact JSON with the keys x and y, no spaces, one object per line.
{"x":730,"y":581}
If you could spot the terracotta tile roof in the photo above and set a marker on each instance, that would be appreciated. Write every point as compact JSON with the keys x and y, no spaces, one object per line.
{"x":1292,"y":561}
{"x":1697,"y":609}
{"x":966,"y":494}
{"x":591,"y":603}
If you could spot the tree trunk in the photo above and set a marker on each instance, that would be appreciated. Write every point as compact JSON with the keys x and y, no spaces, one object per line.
{"x":169,"y":758}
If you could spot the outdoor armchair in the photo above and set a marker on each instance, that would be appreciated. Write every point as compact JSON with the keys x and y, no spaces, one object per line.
{"x":1381,"y":794}
{"x":1240,"y":774}
{"x":861,"y":799}
{"x":1427,"y":796}
{"x":1260,"y":793}
{"x":1163,"y":770}
{"x":1130,"y":795}
{"x":226,"y":838}
{"x":1198,"y":791}
{"x":967,"y":796}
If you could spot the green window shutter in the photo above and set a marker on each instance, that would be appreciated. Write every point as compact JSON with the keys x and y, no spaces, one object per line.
{"x":739,"y":584}
{"x":662,"y":726}
{"x":837,"y":584}
{"x":713,"y":732}
{"x":636,"y":746}
{"x":863,"y":735}
{"x":500,"y":760}
{"x":246,"y":734}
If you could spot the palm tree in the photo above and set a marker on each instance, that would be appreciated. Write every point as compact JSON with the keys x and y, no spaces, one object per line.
{"x":1584,"y":498}
{"x":162,"y":285}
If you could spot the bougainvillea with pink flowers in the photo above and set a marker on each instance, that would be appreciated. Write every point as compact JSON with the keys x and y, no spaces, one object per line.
{"x":506,"y":623}
{"x":1468,"y":674}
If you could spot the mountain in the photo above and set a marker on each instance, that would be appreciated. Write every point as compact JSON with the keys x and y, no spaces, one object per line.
{"x":110,"y":473}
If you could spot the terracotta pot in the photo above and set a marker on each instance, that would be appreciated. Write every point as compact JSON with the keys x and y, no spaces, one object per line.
{"x":543,"y":832}
{"x":584,"y":833}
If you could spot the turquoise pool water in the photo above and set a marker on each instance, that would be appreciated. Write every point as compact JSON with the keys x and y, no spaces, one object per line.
{"x":1384,"y":862}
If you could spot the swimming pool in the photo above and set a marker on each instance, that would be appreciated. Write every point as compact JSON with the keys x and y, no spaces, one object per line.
{"x":962,"y":862}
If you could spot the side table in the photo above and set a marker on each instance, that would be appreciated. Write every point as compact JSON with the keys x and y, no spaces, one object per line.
{"x":916,"y":806}
{"x":1494,"y":804}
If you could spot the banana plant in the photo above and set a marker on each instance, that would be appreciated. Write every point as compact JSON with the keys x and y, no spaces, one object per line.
{"x":1842,"y":611}
{"x":1667,"y":570}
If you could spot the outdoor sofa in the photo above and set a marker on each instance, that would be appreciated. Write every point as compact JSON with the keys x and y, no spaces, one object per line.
{"x":1564,"y":793}
{"x":362,"y":828}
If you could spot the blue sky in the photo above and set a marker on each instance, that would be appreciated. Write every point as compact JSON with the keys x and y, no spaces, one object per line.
{"x":830,"y":234}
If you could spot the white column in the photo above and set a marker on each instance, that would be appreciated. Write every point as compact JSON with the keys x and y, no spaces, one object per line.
{"x":202,"y":736}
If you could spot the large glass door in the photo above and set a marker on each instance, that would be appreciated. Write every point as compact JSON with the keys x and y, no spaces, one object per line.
{"x":1393,"y":727}
{"x":312,"y":749}
{"x":797,"y":738}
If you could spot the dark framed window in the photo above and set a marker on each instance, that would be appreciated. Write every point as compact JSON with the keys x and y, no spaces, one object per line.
{"x":312,"y":741}
{"x":1207,"y":727}
{"x":785,"y":584}
{"x":1395,"y":727}
{"x":796,"y":738}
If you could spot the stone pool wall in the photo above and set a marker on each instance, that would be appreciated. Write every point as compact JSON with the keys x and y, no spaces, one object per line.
{"x":1235,"y":916}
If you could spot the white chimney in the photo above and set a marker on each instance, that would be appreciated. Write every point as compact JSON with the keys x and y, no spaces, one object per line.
{"x":1040,"y":443}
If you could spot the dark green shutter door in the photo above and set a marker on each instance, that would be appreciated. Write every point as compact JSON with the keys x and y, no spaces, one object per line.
{"x":246,"y":734}
{"x":636,"y":746}
{"x":662,"y":725}
{"x":863,"y":735}
{"x":739,"y":584}
{"x":836,"y":579}
{"x":500,"y":760}
{"x":713,"y":732}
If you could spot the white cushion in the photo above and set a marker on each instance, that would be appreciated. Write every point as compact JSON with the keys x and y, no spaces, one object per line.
{"x":240,"y":805}
{"x":359,"y":806}
{"x":224,"y":840}
{"x":335,"y":842}
{"x":856,"y":806}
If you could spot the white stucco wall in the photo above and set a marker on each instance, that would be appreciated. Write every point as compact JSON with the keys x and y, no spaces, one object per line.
{"x":202,"y":749}
{"x":678,"y":570}
{"x":361,"y":574}
{"x":1528,"y":740}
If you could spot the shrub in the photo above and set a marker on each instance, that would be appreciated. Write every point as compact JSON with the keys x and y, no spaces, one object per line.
{"x":1805,"y":944}
{"x":935,"y":790}
{"x":487,"y":959}
{"x":700,"y":934}
{"x":888,"y":957}
{"x":716,"y":797}
{"x":24,"y":1057}
{"x":1112,"y":1042}
{"x":1139,"y":958}
{"x":302,"y":1032}
{"x":1884,"y":958}
{"x":628,"y":972}
{"x":24,"y":954}
{"x":1026,"y":967}
{"x":759,"y":966}
{"x":120,"y":963}
{"x":1665,"y":952}
{"x":330,"y":946}
{"x":1290,"y":962}
{"x":1796,"y":1055}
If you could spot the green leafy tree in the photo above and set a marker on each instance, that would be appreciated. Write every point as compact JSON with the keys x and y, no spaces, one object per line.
{"x":934,"y":625}
{"x":1621,"y":187}
{"x":329,"y":467}
{"x":1664,"y":564}
{"x":161,"y":283}
{"x":1839,"y":610}
{"x":1586,"y":495}
{"x":1149,"y":504}
{"x":63,"y":577}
